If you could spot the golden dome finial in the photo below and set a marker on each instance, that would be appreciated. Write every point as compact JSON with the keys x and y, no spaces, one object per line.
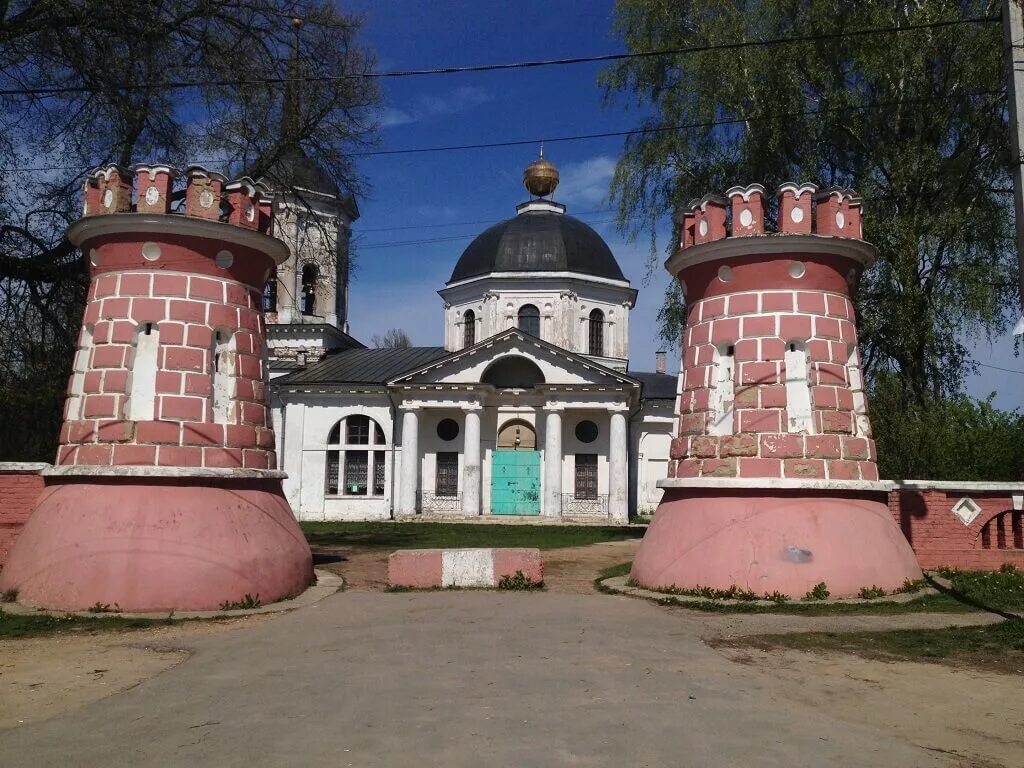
{"x":541,"y":176}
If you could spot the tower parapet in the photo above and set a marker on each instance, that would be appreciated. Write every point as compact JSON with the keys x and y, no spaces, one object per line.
{"x":166,"y":436}
{"x":771,"y":402}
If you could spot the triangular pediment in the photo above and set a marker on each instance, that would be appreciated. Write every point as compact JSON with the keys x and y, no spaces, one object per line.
{"x":557,"y":367}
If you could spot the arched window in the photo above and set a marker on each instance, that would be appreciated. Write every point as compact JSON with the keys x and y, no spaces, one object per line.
{"x":469,"y":328}
{"x":356,"y":455}
{"x":529,"y":320}
{"x":270,"y":293}
{"x":310,"y":274}
{"x":597,"y":333}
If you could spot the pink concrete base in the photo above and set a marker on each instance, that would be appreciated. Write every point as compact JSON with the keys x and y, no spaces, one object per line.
{"x":479,"y":568}
{"x":146,"y":544}
{"x":787,"y":543}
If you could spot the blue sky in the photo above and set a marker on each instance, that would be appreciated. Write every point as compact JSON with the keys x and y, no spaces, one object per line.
{"x":395,"y":285}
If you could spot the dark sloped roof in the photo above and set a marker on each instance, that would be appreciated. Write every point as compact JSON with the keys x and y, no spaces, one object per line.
{"x":538,"y":241}
{"x":363,"y":366}
{"x":657,"y":386}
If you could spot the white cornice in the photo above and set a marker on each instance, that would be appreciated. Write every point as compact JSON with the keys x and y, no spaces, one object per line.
{"x":84,"y":470}
{"x":533,"y":276}
{"x":774,"y":483}
{"x":175,"y":224}
{"x":771,"y":245}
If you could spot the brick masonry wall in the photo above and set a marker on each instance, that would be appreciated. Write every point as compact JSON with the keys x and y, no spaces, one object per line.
{"x":19,"y":489}
{"x":186,"y":310}
{"x":759,"y":325}
{"x":939,"y":538}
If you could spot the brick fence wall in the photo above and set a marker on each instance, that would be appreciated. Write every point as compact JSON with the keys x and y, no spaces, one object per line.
{"x":20,"y":486}
{"x":923,"y":510}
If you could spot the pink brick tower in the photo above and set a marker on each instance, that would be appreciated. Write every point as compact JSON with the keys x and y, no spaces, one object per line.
{"x":165,"y":493}
{"x":773,"y":484}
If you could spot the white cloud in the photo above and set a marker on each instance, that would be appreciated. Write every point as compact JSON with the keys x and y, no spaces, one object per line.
{"x":457,"y":100}
{"x":586,"y":183}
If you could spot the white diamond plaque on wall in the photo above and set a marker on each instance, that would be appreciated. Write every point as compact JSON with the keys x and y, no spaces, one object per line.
{"x":966,"y":510}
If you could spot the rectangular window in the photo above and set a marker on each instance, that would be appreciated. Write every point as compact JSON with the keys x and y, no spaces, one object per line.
{"x":586,"y":476}
{"x":333,"y":471}
{"x":378,"y":473}
{"x":798,"y":391}
{"x":356,"y":473}
{"x":358,"y":430}
{"x":446,"y":478}
{"x":724,"y":393}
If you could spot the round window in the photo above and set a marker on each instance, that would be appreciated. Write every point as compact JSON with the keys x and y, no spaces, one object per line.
{"x":447,"y":429}
{"x":586,"y":431}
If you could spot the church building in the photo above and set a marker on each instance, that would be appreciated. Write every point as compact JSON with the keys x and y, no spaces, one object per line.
{"x":530,"y":407}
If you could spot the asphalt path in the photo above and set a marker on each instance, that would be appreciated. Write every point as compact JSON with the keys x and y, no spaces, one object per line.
{"x":458,"y":679}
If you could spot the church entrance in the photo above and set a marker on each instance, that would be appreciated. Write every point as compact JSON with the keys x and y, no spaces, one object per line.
{"x":515,"y":471}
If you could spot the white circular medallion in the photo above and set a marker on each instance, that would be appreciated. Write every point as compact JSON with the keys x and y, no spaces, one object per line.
{"x":224,"y":259}
{"x":703,"y":227}
{"x":797,"y":215}
{"x":250,"y":212}
{"x":152,"y":196}
{"x":94,"y":257}
{"x":108,"y":198}
{"x":150,"y":251}
{"x":206,"y":198}
{"x":746,"y":217}
{"x":840,"y":219}
{"x":797,"y":269}
{"x":724,"y":274}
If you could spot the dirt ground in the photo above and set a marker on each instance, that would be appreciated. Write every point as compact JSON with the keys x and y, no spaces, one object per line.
{"x":976,"y":717}
{"x":43,"y":676}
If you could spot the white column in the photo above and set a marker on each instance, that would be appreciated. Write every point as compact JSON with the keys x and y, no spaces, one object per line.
{"x":553,"y":464}
{"x":291,"y":461}
{"x":618,"y":469}
{"x":410,"y":462}
{"x":471,"y":469}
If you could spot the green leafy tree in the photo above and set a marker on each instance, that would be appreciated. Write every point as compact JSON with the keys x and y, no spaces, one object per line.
{"x":955,"y":439}
{"x":915,"y":121}
{"x":86,"y":83}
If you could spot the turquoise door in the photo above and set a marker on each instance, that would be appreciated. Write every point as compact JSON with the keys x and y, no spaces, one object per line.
{"x":515,"y":482}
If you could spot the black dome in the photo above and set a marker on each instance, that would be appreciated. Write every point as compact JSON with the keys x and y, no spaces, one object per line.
{"x":538,"y":241}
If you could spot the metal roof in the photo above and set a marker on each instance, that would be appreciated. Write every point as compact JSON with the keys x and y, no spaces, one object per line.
{"x":538,"y":241}
{"x":363,"y":366}
{"x":657,"y":386}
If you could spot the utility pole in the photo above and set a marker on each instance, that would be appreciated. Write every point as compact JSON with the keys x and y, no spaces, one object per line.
{"x":1013,"y":37}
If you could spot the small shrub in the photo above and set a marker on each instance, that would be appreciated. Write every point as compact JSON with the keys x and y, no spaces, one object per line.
{"x":870,"y":593}
{"x":776,"y":597}
{"x":519,"y":581}
{"x":910,"y":585}
{"x":9,"y":596}
{"x":100,"y":607}
{"x":818,"y":592}
{"x":1007,"y":568}
{"x":247,"y":603}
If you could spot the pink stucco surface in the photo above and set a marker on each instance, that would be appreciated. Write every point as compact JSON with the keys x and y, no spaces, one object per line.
{"x":508,"y":561}
{"x":786,"y":542}
{"x":415,"y":568}
{"x":152,"y":545}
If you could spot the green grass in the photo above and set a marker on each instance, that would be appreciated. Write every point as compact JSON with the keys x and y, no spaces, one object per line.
{"x":15,"y":626}
{"x":997,"y":647}
{"x":449,"y":535}
{"x":971,"y":591}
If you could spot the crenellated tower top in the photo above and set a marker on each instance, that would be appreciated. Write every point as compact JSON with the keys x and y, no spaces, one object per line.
{"x":150,"y":188}
{"x":741,"y":212}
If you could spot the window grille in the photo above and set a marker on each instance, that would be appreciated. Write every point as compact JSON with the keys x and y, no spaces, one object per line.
{"x":355,"y":473}
{"x":586,"y":476}
{"x":529,"y":320}
{"x":469,"y":328}
{"x":446,"y":478}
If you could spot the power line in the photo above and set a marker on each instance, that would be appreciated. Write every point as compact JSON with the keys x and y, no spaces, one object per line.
{"x":997,"y":368}
{"x":532,"y":64}
{"x":605,"y":135}
{"x":495,"y":218}
{"x":443,"y":239}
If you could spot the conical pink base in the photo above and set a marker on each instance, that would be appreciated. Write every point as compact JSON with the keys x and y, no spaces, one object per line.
{"x":158,"y":544}
{"x":787,"y":542}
